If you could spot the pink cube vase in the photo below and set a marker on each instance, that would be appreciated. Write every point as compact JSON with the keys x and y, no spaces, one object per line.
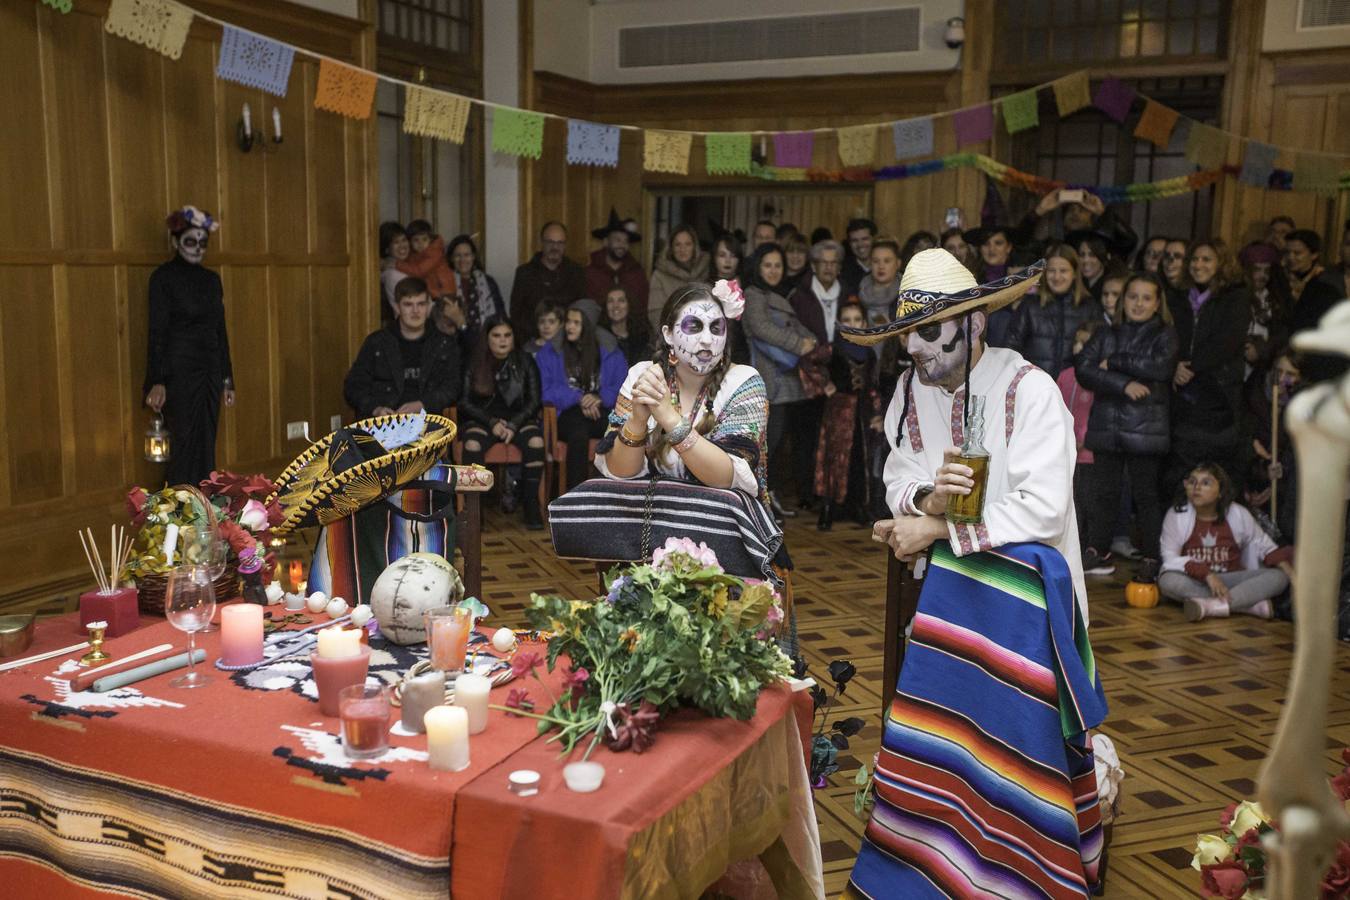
{"x":117,"y":608}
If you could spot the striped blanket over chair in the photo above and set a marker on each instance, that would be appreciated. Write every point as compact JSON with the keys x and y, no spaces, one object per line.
{"x":985,"y":784}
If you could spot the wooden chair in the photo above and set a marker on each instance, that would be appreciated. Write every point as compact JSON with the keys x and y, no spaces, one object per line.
{"x":499,"y":454}
{"x":555,"y":451}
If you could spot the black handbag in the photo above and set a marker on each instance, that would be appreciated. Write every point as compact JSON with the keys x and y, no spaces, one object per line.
{"x":624,"y":521}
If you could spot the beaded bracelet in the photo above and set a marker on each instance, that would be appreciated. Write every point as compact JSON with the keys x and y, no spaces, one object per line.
{"x":680,"y":432}
{"x":690,"y":440}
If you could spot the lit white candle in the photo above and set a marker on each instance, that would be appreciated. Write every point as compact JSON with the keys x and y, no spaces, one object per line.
{"x":447,"y":737}
{"x":170,"y":542}
{"x":248,"y":121}
{"x":337,"y":643}
{"x":276,"y":124}
{"x":471,"y":693}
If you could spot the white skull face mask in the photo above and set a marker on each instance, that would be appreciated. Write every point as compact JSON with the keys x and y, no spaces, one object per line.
{"x":699,"y":336}
{"x":938,"y":351}
{"x":191,"y":245}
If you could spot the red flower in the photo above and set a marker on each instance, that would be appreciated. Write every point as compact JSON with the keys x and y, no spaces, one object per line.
{"x":524,"y":663}
{"x":1336,"y":882}
{"x":1226,"y":819}
{"x":1226,"y":879}
{"x":274,"y":514}
{"x":519,"y":698}
{"x":1341,"y":785}
{"x":635,"y":729}
{"x":1251,"y":839}
{"x":238,"y":537}
{"x":136,"y":506}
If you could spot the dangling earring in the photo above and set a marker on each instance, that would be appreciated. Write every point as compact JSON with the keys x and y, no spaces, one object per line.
{"x":671,"y":357}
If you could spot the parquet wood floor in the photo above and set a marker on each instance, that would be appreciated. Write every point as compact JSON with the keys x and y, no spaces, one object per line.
{"x":1193,"y":706}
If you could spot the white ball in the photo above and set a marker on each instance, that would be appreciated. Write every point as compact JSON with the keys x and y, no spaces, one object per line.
{"x":503,"y":639}
{"x":361,"y":615}
{"x":317,"y":601}
{"x":336,"y":607}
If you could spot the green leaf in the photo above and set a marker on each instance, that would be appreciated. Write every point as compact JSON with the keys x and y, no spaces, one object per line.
{"x":863,"y":776}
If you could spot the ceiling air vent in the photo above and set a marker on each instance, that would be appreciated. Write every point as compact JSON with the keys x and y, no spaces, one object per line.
{"x":1324,"y":13}
{"x":786,"y":37}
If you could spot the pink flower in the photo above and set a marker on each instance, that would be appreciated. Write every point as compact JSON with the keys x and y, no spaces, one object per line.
{"x":1226,"y":879}
{"x":519,"y":698}
{"x":135,"y":506}
{"x":700,"y":553}
{"x":254,"y":516}
{"x":524,"y":663}
{"x":774,"y":615}
{"x":576,"y":678}
{"x":729,"y":293}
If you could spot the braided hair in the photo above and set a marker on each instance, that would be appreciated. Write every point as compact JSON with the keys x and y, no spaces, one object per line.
{"x":694,"y":290}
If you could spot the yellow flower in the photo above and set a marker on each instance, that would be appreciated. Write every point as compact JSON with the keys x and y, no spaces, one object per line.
{"x":630,"y":637}
{"x":1247,"y":816}
{"x":557,"y":627}
{"x":577,"y":606}
{"x":717,"y":606}
{"x":1210,"y":849}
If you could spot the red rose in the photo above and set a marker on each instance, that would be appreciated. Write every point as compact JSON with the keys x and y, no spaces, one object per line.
{"x":258,"y":487}
{"x":239,"y":539}
{"x":1226,"y":818}
{"x":1251,"y":839}
{"x":1336,"y":882}
{"x":1226,"y":879}
{"x":136,"y":506}
{"x":1341,"y":785}
{"x":274,"y":514}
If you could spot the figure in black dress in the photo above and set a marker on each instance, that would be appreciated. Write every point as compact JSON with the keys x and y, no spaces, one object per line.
{"x":188,"y":369}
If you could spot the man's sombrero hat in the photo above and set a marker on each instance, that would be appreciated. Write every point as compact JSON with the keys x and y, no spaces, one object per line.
{"x":627,"y":226}
{"x":359,"y":465}
{"x":936,"y":287}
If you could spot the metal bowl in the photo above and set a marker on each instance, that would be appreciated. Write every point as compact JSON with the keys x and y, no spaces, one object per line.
{"x":16,"y":633}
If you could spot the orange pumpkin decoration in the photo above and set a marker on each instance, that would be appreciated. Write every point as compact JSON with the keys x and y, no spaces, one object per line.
{"x":1141,"y":595}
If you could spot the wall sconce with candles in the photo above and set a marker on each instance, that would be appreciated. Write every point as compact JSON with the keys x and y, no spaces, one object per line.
{"x":248,"y":138}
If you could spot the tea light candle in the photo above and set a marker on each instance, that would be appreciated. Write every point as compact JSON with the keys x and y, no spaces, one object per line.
{"x":523,"y":782}
{"x":338,"y":643}
{"x":583,"y":777}
{"x":241,"y":634}
{"x":471,"y":693}
{"x":274,"y":593}
{"x":419,"y":695}
{"x":295,"y":602}
{"x":447,"y":737}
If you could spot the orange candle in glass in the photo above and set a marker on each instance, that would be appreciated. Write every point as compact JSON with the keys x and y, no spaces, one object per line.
{"x":297,"y":571}
{"x":448,"y":637}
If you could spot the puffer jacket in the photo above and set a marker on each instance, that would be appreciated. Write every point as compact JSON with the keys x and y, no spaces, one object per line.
{"x":1145,"y":352}
{"x":1043,"y":334}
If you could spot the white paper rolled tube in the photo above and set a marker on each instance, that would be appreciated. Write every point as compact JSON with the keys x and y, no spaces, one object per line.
{"x":149,"y":670}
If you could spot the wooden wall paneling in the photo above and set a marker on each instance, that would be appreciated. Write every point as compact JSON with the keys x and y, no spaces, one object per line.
{"x":286,"y":166}
{"x":93,"y":331}
{"x":255,"y":417}
{"x":330,"y":354}
{"x":1299,"y":114}
{"x":245,"y":183}
{"x":293,"y":338}
{"x":25,"y":216}
{"x":136,"y":290}
{"x":327,"y":168}
{"x":134,"y":87}
{"x":78,"y":109}
{"x":32,"y":423}
{"x":194,"y":133}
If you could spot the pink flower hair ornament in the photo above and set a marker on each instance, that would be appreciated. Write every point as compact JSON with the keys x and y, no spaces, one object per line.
{"x":181,"y":220}
{"x":730,"y":295}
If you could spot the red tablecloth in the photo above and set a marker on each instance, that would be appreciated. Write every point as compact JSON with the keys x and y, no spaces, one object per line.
{"x":240,"y":789}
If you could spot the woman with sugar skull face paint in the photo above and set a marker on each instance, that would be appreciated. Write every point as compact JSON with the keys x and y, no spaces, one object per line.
{"x":690,"y":412}
{"x":188,"y":371}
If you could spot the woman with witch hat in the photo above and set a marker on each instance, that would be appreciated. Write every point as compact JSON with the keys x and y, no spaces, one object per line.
{"x":997,"y":688}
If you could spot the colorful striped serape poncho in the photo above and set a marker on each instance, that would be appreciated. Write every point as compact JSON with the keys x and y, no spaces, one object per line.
{"x":985,"y":784}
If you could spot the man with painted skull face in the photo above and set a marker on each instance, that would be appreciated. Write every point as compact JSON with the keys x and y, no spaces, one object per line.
{"x":188,"y":371}
{"x":967,"y":729}
{"x":689,"y":412}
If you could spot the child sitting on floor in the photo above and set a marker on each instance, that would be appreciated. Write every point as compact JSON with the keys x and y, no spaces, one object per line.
{"x":1215,"y":558}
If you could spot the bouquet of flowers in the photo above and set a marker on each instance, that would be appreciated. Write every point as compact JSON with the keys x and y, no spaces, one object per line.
{"x":1232,"y":864}
{"x":242,"y":519}
{"x":678,"y":631}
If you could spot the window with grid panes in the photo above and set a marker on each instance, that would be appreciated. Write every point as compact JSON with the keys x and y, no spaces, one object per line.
{"x":1067,"y":32}
{"x":1089,"y":147}
{"x":441,"y":24}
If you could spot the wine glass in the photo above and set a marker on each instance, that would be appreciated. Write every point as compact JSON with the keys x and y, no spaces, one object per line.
{"x":204,"y":549}
{"x":189,"y":603}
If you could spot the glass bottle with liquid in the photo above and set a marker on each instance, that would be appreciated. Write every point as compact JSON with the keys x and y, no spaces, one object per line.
{"x":968,"y":509}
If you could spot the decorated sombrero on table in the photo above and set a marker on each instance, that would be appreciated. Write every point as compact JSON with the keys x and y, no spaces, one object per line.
{"x":359,"y":465}
{"x":936,"y":287}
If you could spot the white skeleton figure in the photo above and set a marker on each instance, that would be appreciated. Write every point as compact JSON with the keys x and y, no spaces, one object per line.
{"x":1293,"y":790}
{"x":326,"y":749}
{"x":122,"y":698}
{"x":699,"y":336}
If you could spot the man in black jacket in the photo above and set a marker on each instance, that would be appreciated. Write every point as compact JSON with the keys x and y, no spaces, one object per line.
{"x":407,"y":366}
{"x":549,"y":277}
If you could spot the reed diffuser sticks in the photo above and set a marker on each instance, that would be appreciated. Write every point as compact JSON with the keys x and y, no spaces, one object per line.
{"x":119,"y":550}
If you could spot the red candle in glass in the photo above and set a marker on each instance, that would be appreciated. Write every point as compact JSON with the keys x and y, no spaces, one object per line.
{"x":365,"y":720}
{"x":331,"y":675}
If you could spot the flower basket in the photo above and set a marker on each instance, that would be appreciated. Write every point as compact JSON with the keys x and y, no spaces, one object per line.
{"x":150,"y":588}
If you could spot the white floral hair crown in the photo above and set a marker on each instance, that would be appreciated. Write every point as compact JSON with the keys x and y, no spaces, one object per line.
{"x":729,"y":293}
{"x":181,"y":220}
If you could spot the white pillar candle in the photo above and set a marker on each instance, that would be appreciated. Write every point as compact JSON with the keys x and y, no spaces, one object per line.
{"x":170,"y":542}
{"x":447,"y":737}
{"x":241,"y":634}
{"x":337,"y":643}
{"x":471,"y":693}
